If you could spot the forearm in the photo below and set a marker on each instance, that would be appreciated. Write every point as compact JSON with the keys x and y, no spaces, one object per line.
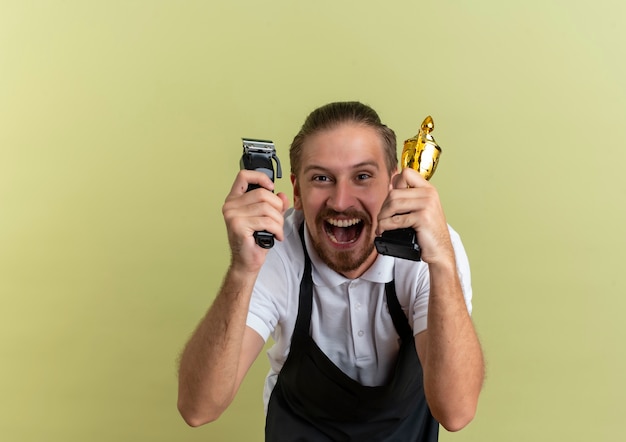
{"x":454,"y":368}
{"x":210,"y":363}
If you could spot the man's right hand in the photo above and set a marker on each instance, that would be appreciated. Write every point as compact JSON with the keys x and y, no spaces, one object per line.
{"x":248,"y":212}
{"x":222,"y":348}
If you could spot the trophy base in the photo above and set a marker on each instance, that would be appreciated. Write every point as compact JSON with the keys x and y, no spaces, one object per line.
{"x":401,"y":243}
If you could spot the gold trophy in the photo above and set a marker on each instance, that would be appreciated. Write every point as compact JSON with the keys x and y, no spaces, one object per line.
{"x":420,"y":153}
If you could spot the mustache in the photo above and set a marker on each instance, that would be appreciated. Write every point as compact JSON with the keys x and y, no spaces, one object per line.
{"x":350,"y":213}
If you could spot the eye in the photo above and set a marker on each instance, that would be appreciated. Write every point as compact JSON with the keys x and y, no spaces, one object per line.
{"x":363,"y":176}
{"x":321,"y":178}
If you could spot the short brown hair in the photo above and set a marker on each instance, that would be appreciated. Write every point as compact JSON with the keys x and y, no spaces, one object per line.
{"x":332,"y":115}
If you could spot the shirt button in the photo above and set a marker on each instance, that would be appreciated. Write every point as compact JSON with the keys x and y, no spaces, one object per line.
{"x":361,"y":333}
{"x":358,"y":306}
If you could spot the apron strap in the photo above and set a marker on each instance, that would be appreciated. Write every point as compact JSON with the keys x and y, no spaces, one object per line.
{"x":303,"y":321}
{"x":400,"y":321}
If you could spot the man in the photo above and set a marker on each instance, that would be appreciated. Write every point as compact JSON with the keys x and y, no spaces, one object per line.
{"x":368,"y":347}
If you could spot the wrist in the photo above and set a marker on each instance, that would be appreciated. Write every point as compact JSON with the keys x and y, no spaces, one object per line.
{"x":243,"y":272}
{"x":245,"y":261}
{"x":238,"y":285}
{"x":443,"y":266}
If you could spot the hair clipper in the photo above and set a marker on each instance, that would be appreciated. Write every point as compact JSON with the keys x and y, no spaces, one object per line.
{"x":258,"y":155}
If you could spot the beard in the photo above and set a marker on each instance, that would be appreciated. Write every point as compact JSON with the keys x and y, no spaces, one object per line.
{"x":343,"y":261}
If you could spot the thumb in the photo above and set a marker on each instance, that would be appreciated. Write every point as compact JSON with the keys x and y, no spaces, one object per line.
{"x":408,"y":178}
{"x":285,"y":201}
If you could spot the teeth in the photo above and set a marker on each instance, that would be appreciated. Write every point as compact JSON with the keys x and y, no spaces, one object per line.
{"x":343,"y":222}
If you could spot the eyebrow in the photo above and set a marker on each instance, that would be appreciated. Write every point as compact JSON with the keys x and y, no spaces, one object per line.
{"x":361,"y":165}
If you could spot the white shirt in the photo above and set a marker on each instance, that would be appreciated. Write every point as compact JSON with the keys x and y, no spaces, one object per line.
{"x":349,"y":320}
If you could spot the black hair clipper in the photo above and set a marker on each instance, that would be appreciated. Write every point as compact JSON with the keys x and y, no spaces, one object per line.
{"x":258,"y":155}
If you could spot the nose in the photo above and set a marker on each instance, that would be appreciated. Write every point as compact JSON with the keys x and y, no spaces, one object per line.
{"x":342,"y":197}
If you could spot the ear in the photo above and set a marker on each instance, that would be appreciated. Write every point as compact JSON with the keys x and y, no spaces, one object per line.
{"x":297,"y":202}
{"x":394,"y":172}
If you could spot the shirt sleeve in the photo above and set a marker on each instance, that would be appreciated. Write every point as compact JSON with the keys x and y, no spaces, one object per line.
{"x":422,"y":285}
{"x":463,"y":268}
{"x":269,"y":290}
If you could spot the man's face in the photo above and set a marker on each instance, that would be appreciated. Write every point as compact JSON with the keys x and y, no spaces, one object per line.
{"x":342,"y":184}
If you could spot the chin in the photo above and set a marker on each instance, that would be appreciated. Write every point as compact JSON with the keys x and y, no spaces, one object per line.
{"x":346,"y":260}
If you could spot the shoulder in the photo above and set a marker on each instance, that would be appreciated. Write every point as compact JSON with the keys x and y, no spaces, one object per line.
{"x":289,"y":251}
{"x":462,"y":267}
{"x":284,"y":263}
{"x":412,"y":281}
{"x":275,"y":293}
{"x":456,"y":240}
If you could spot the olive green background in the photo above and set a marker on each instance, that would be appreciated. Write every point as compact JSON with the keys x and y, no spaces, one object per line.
{"x":120,"y":127}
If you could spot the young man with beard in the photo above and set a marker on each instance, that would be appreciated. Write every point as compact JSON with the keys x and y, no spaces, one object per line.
{"x":367,"y":347}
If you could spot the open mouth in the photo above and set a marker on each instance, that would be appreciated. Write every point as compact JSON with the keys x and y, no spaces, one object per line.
{"x":343,"y":231}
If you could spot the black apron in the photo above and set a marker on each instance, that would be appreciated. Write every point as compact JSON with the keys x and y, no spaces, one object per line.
{"x":313,"y":400}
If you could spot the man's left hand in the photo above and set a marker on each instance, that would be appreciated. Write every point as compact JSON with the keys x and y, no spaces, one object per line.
{"x":414,"y":202}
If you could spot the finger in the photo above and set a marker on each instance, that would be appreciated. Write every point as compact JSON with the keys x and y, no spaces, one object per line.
{"x":285,"y":200}
{"x":254,"y":211}
{"x":401,"y":200}
{"x":246,"y":226}
{"x":247,"y":177}
{"x":405,"y":207}
{"x":258,"y":202}
{"x":408,"y":178}
{"x":264,"y":217}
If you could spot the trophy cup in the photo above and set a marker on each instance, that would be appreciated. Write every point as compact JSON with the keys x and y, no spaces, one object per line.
{"x":420,"y":153}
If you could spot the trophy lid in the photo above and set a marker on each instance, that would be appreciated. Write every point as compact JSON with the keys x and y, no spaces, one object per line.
{"x":421,"y":152}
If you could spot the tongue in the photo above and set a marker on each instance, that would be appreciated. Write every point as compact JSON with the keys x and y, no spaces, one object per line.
{"x":345,"y":234}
